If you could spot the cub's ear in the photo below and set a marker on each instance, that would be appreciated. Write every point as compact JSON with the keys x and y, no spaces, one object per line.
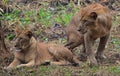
{"x":93,"y":15}
{"x":29,"y":34}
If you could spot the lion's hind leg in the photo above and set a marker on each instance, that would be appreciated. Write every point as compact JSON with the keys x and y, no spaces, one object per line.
{"x":60,"y":63}
{"x":63,"y":56}
{"x":73,"y":62}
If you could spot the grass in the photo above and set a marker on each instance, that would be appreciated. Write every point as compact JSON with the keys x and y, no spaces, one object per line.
{"x":26,"y":16}
{"x":114,"y":69}
{"x":42,"y":15}
{"x":65,"y":71}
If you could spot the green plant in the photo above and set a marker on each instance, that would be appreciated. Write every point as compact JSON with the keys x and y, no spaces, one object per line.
{"x":115,"y":18}
{"x":6,"y":1}
{"x":58,"y":19}
{"x":114,"y":69}
{"x":66,"y":17}
{"x":115,"y":41}
{"x":1,"y":14}
{"x":45,"y":17}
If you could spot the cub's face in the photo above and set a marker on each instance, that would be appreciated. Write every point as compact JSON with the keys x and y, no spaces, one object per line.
{"x":23,"y":40}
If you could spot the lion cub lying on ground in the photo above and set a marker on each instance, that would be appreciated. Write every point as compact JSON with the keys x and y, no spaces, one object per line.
{"x":30,"y":52}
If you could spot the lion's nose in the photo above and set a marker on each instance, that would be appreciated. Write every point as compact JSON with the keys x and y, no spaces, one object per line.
{"x":16,"y":45}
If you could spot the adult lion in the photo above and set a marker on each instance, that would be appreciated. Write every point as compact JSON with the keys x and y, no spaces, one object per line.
{"x":30,"y":52}
{"x":95,"y":21}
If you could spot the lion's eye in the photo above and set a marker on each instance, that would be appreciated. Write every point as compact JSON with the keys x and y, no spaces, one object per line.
{"x":20,"y":38}
{"x":84,"y":21}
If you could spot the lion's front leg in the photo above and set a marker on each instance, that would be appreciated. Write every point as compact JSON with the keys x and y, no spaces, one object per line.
{"x":82,"y":55}
{"x":13,"y":64}
{"x":69,"y":44}
{"x":101,"y":47}
{"x":29,"y":64}
{"x":89,"y":51}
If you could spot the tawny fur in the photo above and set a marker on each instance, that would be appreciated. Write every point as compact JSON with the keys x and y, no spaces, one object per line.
{"x":74,"y":37}
{"x":96,"y":21}
{"x":32,"y":52}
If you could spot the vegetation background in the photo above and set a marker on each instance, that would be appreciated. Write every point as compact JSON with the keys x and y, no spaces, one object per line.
{"x":48,"y":19}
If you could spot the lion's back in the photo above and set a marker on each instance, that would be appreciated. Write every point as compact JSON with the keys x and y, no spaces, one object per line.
{"x":98,"y":8}
{"x":60,"y":51}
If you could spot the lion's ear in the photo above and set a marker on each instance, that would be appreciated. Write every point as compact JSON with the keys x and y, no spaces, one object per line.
{"x":93,"y":15}
{"x":29,"y":34}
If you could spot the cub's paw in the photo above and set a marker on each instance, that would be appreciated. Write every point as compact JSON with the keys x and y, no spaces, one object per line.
{"x":47,"y":62}
{"x":7,"y":68}
{"x":75,"y":64}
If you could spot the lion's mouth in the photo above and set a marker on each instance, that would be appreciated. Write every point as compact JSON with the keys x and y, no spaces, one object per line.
{"x":18,"y":49}
{"x":15,"y":49}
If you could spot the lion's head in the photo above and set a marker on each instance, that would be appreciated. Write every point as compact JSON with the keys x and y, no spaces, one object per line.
{"x":87,"y":20}
{"x":93,"y":16}
{"x":23,"y":40}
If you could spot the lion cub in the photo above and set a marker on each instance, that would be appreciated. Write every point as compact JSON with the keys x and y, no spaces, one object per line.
{"x":30,"y":52}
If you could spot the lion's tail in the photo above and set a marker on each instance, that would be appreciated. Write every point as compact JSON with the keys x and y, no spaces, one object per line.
{"x":75,"y":61}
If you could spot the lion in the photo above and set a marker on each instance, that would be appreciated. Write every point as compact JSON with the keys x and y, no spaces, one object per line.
{"x":95,"y":21}
{"x":74,"y":37}
{"x":30,"y":52}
